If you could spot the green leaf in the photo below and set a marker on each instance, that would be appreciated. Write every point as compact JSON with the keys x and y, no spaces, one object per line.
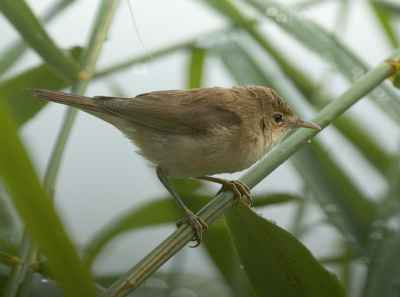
{"x":364,"y":142}
{"x":219,"y":246}
{"x":23,"y":19}
{"x":322,"y":42}
{"x":15,"y":51}
{"x":384,"y":268}
{"x":388,"y":5}
{"x":186,"y":187}
{"x":276,"y":263}
{"x":21,"y":104}
{"x":196,"y":67}
{"x":158,"y":211}
{"x":35,"y":208}
{"x":385,"y":17}
{"x":241,"y":66}
{"x":259,"y":200}
{"x":340,"y":199}
{"x":11,"y":55}
{"x":252,"y":28}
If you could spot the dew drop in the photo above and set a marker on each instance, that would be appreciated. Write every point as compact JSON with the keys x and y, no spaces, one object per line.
{"x":378,"y":224}
{"x":375,"y":236}
{"x":183,"y":292}
{"x":327,"y":57}
{"x":338,"y":221}
{"x":377,"y":92}
{"x":281,"y":18}
{"x":350,"y":238}
{"x":155,"y":282}
{"x":236,"y":60}
{"x":364,"y":260}
{"x":39,"y":36}
{"x":272,"y":11}
{"x":357,"y":70}
{"x":330,"y":208}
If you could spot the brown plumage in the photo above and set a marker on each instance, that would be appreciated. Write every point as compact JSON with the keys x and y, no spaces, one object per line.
{"x":197,"y":132}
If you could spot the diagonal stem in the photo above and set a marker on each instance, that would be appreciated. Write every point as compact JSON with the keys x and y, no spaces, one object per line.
{"x":27,"y":250}
{"x":177,"y":240}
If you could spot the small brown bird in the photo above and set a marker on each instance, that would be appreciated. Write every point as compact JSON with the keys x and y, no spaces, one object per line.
{"x":196,"y":133}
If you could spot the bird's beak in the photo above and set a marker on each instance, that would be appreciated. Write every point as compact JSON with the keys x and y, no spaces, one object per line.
{"x":305,"y":124}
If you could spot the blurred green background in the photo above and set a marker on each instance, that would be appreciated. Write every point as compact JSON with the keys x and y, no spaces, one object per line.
{"x":339,"y":195}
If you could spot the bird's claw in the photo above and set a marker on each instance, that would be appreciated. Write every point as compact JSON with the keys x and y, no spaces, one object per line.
{"x":198,"y":225}
{"x":239,"y":188}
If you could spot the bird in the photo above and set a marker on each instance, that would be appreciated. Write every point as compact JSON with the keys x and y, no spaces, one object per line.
{"x":195,"y":133}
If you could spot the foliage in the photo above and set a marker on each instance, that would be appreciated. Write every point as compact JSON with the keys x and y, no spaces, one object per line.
{"x":255,"y":256}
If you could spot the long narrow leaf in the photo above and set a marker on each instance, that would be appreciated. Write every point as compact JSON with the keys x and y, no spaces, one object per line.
{"x":226,"y":7}
{"x":159,"y":53}
{"x":348,"y":209}
{"x":364,"y":142}
{"x":196,"y":67}
{"x":384,"y":269}
{"x":15,"y":51}
{"x":158,"y":211}
{"x":35,"y":208}
{"x":23,"y":19}
{"x":385,"y":17}
{"x":320,"y":41}
{"x":21,"y":104}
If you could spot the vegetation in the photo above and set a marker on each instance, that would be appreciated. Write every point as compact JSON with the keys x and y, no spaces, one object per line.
{"x":254,"y":255}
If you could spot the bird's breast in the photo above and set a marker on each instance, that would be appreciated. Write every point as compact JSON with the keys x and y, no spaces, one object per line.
{"x":222,"y":150}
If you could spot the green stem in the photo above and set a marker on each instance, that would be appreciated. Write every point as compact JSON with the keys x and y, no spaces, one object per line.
{"x":169,"y":49}
{"x":11,"y":287}
{"x":87,"y":62}
{"x":177,"y":240}
{"x":25,"y":290}
{"x":53,"y":166}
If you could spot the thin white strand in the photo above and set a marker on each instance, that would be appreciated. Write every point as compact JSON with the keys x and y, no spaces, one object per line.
{"x":137,"y":32}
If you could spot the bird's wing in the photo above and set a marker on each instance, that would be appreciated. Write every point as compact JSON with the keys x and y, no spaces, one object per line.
{"x":180,"y":112}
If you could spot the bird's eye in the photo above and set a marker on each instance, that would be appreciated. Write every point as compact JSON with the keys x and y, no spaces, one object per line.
{"x":277,"y":118}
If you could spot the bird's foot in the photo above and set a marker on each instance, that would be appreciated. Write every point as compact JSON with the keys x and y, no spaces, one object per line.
{"x":197,"y":223}
{"x":238,"y":187}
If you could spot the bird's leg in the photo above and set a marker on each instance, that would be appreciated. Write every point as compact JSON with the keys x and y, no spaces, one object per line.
{"x":196,"y":222}
{"x":238,"y":187}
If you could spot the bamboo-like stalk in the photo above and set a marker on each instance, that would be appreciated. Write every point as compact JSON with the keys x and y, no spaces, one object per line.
{"x":177,"y":240}
{"x":161,"y":52}
{"x":28,"y":249}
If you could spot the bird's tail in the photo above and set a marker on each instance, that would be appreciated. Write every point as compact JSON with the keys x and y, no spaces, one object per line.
{"x":82,"y":102}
